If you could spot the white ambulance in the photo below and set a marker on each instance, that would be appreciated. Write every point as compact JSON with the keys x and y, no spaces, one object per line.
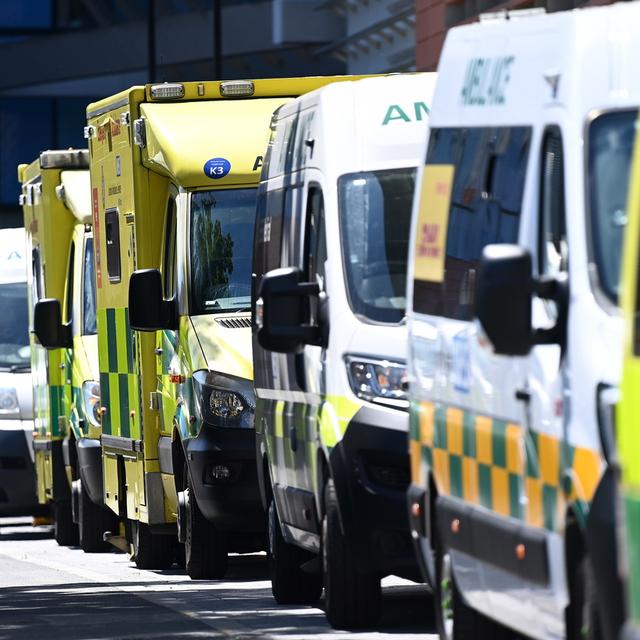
{"x":515,"y":348}
{"x":330,"y":260}
{"x":17,"y":478}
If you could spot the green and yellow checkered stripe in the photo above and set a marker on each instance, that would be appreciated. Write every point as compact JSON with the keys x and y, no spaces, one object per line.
{"x":495,"y":463}
{"x":119,"y":388}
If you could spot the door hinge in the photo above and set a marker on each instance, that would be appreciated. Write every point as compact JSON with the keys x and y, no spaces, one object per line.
{"x":140,"y":133}
{"x":154,"y":401}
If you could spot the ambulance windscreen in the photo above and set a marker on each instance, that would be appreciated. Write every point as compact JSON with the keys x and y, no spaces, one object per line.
{"x":611,"y":139}
{"x":375,"y":217}
{"x":221,"y":249}
{"x":14,"y":336}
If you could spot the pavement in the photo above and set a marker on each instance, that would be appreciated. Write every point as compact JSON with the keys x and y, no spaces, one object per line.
{"x":47,"y":591}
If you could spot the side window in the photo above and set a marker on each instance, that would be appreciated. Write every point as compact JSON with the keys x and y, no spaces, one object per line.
{"x":268,"y":233}
{"x":489,"y":173}
{"x":112,"y":232}
{"x":68,"y":310}
{"x":553,"y":248}
{"x":315,"y":250}
{"x":88,"y":290}
{"x":169,"y":251}
{"x":38,"y":275}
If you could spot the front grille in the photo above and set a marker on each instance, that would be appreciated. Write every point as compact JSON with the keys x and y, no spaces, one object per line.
{"x":235,"y":323}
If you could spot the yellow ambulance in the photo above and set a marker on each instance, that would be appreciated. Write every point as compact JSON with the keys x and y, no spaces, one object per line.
{"x":174,"y":175}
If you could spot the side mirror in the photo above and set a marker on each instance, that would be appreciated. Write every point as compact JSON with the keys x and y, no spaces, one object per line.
{"x":283,"y":310}
{"x":148,"y":309}
{"x":504,"y":291}
{"x":48,"y":327}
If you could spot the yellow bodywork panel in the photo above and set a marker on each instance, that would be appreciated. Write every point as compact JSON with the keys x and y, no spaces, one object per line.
{"x":49,"y":225}
{"x":181,"y":138}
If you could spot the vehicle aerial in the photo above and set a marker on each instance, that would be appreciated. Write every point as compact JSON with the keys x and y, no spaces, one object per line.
{"x":627,"y":413}
{"x":69,"y":323}
{"x":17,"y":479}
{"x":329,"y":349}
{"x":174,"y":174}
{"x":517,"y":234}
{"x":49,"y":222}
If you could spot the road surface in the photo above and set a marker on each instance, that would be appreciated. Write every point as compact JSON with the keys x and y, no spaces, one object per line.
{"x":47,"y":591}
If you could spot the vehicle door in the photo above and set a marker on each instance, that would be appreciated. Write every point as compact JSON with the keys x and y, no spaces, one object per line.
{"x":168,"y":368}
{"x":66,"y":364}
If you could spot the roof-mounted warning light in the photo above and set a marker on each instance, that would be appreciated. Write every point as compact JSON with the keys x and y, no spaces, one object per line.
{"x":237,"y":89}
{"x":167,"y":91}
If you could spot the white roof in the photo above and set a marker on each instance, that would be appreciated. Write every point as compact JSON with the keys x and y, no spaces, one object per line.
{"x":13,"y":263}
{"x":77,"y":194}
{"x":369,"y":124}
{"x":505,"y":71}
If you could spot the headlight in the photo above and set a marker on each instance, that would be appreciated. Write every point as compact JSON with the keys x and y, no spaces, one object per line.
{"x":9,"y":402}
{"x":91,"y":397}
{"x":378,"y":381}
{"x":224,"y":401}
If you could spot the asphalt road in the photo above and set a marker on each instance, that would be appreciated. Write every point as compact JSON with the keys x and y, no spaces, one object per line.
{"x":47,"y":591}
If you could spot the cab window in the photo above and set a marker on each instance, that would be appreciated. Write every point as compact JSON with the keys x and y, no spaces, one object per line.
{"x":169,"y":251}
{"x":68,"y":316}
{"x":88,"y":291}
{"x":490,"y":166}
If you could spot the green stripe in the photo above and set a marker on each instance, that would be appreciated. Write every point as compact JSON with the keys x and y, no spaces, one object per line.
{"x":484,"y":476}
{"x":455,"y":469}
{"x":549,"y":506}
{"x":440,"y":435}
{"x":468,"y":435}
{"x":515,"y":484}
{"x":129,"y":341}
{"x":498,"y":437}
{"x":531,"y":444}
{"x":632,"y":514}
{"x":112,"y":340}
{"x":104,"y":401}
{"x":123,"y":384}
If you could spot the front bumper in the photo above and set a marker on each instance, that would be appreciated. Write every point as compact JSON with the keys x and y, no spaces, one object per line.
{"x":17,"y":475}
{"x":232,"y":504}
{"x":370,"y":469}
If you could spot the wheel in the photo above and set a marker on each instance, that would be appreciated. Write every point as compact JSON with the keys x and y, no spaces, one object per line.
{"x":583,"y":618}
{"x":151,"y":551}
{"x":93,"y":521}
{"x":455,"y":620}
{"x":289,"y":583}
{"x":205,"y":547}
{"x":65,"y":530}
{"x":352,"y":597}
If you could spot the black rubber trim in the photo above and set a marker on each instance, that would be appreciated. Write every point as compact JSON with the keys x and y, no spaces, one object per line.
{"x":89,"y":454}
{"x":234,"y":505}
{"x":61,"y":488}
{"x":298,"y":507}
{"x":493,"y":539}
{"x":121,"y":444}
{"x":602,"y":545}
{"x":165,"y":454}
{"x":42,"y":445}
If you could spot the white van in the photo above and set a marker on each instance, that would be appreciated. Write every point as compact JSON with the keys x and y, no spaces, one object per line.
{"x":513,"y":488}
{"x":330,"y":259}
{"x":17,"y":478}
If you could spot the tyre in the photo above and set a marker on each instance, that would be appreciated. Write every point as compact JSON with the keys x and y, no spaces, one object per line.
{"x":205,"y":547}
{"x":583,"y":618}
{"x":289,"y":583}
{"x":151,"y":551}
{"x":455,"y":620}
{"x":352,"y":597}
{"x":65,"y":530}
{"x":93,"y":521}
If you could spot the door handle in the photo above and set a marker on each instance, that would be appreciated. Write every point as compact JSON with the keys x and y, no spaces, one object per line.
{"x":158,"y":352}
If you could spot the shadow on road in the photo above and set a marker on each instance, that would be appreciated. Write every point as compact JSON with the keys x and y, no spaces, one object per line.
{"x":240,"y":606}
